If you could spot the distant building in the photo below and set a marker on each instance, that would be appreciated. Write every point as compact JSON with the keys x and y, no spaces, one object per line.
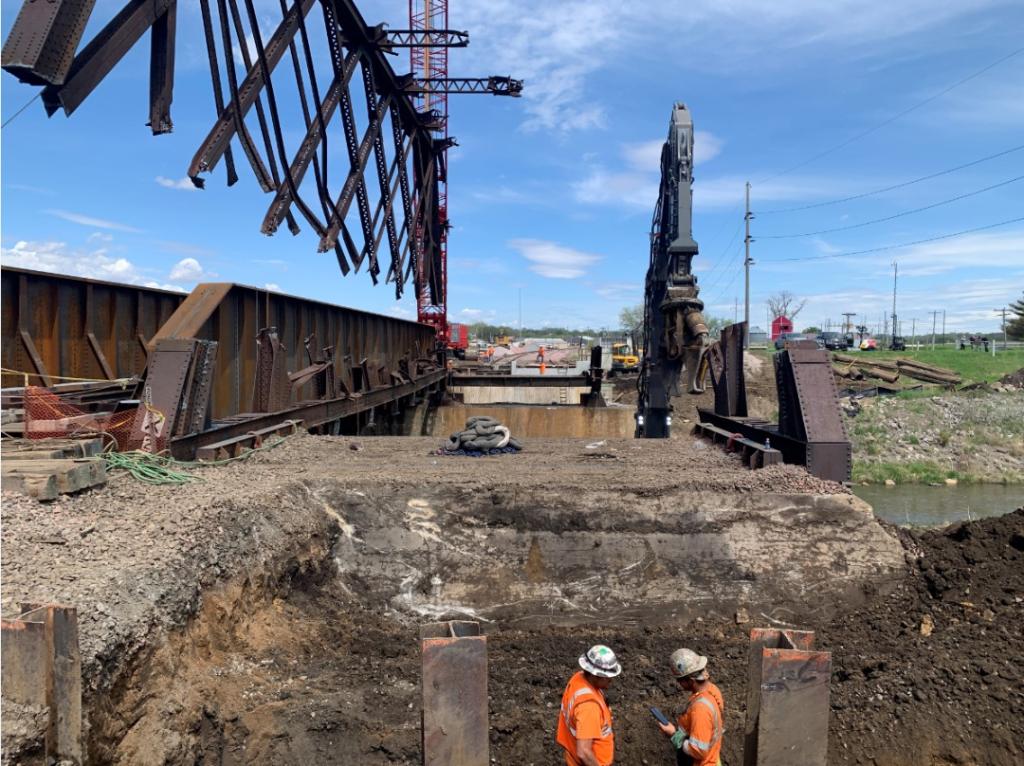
{"x":781,"y":325}
{"x":758,"y":337}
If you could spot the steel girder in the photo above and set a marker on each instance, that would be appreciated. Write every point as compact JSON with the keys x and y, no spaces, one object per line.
{"x":388,"y":171}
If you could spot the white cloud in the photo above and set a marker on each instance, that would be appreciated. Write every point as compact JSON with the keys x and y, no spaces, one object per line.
{"x":182,"y":184}
{"x":562,"y":49}
{"x":187,"y":270}
{"x":272,"y":286}
{"x":636,"y":185}
{"x":99,"y":236}
{"x":57,"y":258}
{"x":401,"y":312}
{"x":552,"y":260}
{"x":96,"y":223}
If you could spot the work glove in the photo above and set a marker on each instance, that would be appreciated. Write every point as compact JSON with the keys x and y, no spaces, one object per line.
{"x":678,"y":738}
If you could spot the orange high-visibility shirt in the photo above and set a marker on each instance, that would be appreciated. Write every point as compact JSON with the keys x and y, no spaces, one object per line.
{"x":585,"y":715}
{"x":703,"y":719}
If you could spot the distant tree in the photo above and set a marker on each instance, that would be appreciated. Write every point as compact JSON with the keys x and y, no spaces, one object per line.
{"x":812,"y":329}
{"x":1015,"y":326}
{"x":785,"y":304}
{"x":631,"y":318}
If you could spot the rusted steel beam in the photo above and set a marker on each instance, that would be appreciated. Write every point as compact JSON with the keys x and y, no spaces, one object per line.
{"x":216,"y":143}
{"x":308,"y":414}
{"x":787,"y":699}
{"x":42,"y":665}
{"x":42,"y":43}
{"x":307,"y":150}
{"x":234,"y":314}
{"x":455,"y":730}
{"x":161,"y":71}
{"x":57,"y":315}
{"x":102,"y":54}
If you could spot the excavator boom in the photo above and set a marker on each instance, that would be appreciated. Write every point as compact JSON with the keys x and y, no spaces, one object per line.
{"x":675,"y":333}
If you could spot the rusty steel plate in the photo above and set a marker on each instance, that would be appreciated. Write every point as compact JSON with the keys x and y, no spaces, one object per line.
{"x":792,"y":723}
{"x":455,"y":701}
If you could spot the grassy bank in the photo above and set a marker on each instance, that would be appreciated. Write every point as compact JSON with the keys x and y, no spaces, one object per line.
{"x":973,"y":366}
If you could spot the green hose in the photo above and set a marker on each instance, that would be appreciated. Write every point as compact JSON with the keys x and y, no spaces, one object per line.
{"x":159,"y":469}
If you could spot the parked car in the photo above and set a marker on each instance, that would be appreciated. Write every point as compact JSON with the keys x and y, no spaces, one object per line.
{"x":780,"y":342}
{"x":833,"y":341}
{"x":869,"y":344}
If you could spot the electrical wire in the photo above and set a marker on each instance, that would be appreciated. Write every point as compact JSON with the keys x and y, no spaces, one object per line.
{"x":904,"y":244}
{"x":893,"y":187}
{"x":160,"y":469}
{"x":894,"y":216}
{"x":895,"y":117}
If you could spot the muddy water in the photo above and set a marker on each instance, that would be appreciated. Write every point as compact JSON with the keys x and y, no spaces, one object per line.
{"x":526,"y":421}
{"x":916,"y":505}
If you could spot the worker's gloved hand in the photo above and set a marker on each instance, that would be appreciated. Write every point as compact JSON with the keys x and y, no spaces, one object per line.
{"x":677,"y":739}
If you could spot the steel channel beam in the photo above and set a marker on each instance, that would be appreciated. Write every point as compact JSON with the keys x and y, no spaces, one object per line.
{"x":41,"y":45}
{"x":219,"y":138}
{"x":161,"y":71}
{"x":309,"y":414}
{"x":102,"y":54}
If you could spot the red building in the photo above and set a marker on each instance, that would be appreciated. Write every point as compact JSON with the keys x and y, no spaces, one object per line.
{"x":781,"y":325}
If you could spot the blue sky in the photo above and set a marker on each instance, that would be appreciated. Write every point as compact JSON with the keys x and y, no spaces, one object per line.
{"x":551,"y":195}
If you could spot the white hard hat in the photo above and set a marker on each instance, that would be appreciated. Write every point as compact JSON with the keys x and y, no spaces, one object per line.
{"x":688,"y":663}
{"x":600,"y":661}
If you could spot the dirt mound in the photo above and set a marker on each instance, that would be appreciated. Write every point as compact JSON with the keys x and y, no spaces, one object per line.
{"x":1014,"y":379}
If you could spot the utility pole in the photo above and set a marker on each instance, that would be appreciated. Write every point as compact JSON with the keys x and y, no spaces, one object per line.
{"x":848,"y":326}
{"x":935,"y":315}
{"x":895,"y":332}
{"x":1003,"y":312}
{"x":913,"y":329}
{"x":746,"y":271}
{"x":943,"y":327}
{"x":736,"y":310}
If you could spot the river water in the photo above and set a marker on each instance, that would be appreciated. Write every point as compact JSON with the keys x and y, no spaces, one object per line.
{"x":919,"y":505}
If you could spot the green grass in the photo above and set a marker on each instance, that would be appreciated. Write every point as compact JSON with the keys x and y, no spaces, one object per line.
{"x":973,"y":366}
{"x":914,"y":472}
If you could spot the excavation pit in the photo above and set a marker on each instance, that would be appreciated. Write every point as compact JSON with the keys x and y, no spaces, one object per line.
{"x":270,"y":613}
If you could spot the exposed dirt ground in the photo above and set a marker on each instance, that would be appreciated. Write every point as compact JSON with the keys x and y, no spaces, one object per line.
{"x":229,"y":631}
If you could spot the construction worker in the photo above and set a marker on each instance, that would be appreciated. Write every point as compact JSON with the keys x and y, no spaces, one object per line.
{"x":540,"y":355}
{"x":585,"y":720}
{"x":698,"y":737}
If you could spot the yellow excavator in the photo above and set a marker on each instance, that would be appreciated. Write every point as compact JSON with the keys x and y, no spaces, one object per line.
{"x":623,"y":358}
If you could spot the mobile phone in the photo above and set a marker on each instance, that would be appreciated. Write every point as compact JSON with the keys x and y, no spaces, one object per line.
{"x":659,"y":716}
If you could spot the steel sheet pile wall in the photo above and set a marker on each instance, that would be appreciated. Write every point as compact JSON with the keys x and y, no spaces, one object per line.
{"x":56,"y":325}
{"x":233,"y":314}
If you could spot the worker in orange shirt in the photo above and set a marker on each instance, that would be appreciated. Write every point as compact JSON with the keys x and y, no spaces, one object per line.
{"x":698,"y":738}
{"x":585,"y":720}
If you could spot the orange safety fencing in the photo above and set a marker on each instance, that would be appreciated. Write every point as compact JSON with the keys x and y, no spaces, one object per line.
{"x":47,"y":416}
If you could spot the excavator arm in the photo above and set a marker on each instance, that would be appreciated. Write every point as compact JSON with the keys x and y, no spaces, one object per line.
{"x":675,"y":333}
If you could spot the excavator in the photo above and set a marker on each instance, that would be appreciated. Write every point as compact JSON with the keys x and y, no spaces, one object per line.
{"x":675,"y":332}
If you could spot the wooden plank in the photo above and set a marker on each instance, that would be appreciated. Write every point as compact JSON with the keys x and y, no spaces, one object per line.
{"x":67,"y":475}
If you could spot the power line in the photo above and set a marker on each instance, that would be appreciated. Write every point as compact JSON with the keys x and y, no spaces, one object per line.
{"x":895,"y":117}
{"x":892,"y":217}
{"x":893,"y":187}
{"x":905,"y":244}
{"x":28,"y":103}
{"x":721,"y":257}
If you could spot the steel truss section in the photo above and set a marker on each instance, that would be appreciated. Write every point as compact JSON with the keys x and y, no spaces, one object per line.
{"x":388,"y":170}
{"x":495,"y":86}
